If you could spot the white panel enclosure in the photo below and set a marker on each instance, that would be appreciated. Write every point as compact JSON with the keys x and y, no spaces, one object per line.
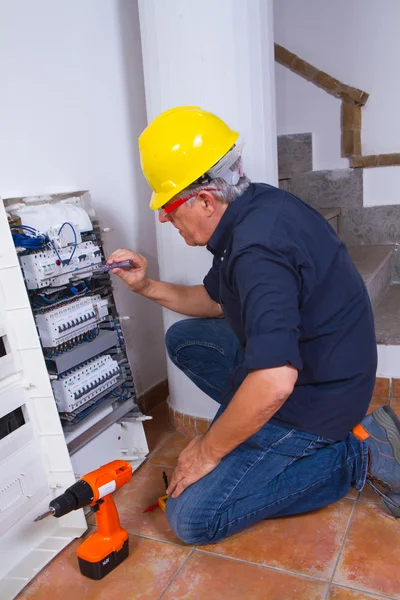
{"x":32,"y":470}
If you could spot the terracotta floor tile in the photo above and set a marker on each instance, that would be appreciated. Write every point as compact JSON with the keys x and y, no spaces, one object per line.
{"x":144,"y":489}
{"x":338,"y":593}
{"x":382,"y":387}
{"x":353,"y":494}
{"x":396,"y":388}
{"x":368,"y":495}
{"x":209,"y":577}
{"x":168,"y":454}
{"x":158,"y":430}
{"x":380,"y":400}
{"x":144,"y":574}
{"x":373,"y":406}
{"x":396,"y":408}
{"x":370,"y":560}
{"x":307,"y":544}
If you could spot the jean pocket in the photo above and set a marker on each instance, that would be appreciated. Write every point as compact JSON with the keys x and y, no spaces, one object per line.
{"x":298,"y":444}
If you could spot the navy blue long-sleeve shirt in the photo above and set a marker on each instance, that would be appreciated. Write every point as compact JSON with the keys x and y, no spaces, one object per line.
{"x":292,"y":295}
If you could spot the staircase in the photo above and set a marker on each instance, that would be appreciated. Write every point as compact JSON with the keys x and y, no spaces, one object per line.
{"x":370,"y":233}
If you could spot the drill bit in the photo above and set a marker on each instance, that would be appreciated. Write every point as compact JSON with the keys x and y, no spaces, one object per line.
{"x":51,"y":511}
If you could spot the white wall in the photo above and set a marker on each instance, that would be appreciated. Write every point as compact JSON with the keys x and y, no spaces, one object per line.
{"x":357,"y":42}
{"x":71,"y":109}
{"x":217,"y":55}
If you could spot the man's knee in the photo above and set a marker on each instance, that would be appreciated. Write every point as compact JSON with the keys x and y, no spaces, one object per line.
{"x":186,"y":521}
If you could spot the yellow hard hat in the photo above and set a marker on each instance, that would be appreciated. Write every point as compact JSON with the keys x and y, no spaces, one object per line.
{"x":178,"y":147}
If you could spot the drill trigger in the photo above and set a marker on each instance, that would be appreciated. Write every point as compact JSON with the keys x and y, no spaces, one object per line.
{"x":96,"y":506}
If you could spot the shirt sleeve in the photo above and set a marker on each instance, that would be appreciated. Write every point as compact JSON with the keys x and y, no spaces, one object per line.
{"x":211,"y":281}
{"x":268,"y":285}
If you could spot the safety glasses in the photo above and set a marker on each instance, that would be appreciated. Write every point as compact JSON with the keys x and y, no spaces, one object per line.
{"x":166,"y":210}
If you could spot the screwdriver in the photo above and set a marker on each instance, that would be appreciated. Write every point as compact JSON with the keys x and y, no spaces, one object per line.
{"x":122,"y":264}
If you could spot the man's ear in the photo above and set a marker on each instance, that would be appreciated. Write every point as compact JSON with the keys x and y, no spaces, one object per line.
{"x":208,"y":202}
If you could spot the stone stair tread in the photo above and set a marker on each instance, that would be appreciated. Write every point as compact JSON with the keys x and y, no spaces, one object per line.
{"x":387,"y":317}
{"x":370,"y":259}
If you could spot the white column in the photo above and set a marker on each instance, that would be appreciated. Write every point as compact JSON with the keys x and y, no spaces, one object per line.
{"x":218,"y":55}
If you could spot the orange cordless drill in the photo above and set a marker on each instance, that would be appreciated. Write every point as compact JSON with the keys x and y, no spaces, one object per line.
{"x":105,"y":549}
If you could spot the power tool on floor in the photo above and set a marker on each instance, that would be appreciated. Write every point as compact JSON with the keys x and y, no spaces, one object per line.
{"x":105,"y":549}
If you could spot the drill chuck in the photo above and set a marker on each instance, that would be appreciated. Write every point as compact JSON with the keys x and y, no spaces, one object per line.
{"x":80,"y":494}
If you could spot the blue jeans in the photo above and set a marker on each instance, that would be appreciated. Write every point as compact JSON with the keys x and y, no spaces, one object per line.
{"x":276,"y":472}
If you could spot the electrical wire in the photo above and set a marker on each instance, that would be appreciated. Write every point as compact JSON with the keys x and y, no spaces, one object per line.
{"x":32,"y":240}
{"x":123,"y":397}
{"x":121,"y":345}
{"x":42,"y":301}
{"x":75,"y":239}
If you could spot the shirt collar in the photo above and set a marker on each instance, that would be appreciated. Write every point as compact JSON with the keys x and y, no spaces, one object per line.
{"x":219,"y":239}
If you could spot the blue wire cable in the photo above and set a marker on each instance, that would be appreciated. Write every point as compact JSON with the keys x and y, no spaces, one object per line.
{"x":58,"y":256}
{"x":125,"y":396}
{"x":118,"y":333}
{"x":36,"y":240}
{"x":75,"y":239}
{"x":32,"y":240}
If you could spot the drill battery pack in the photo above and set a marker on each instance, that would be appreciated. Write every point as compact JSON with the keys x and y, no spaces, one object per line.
{"x":103,"y":556}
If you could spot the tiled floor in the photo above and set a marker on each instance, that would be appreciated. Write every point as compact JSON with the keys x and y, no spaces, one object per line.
{"x":346,"y":551}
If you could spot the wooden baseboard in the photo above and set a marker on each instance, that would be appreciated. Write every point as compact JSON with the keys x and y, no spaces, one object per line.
{"x":154,"y":396}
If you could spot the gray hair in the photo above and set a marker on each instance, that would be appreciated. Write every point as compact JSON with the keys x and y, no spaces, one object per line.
{"x":226,"y":192}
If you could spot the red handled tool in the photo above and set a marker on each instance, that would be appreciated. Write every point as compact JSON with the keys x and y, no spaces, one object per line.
{"x":161,"y":502}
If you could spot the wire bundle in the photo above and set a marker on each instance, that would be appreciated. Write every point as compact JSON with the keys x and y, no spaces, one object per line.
{"x":34,"y":240}
{"x":31,"y":240}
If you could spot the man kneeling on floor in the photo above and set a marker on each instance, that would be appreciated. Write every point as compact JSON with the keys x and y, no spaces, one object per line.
{"x":292,"y":363}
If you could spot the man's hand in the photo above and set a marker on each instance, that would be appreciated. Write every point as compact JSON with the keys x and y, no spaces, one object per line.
{"x":136,"y":277}
{"x":193,"y":464}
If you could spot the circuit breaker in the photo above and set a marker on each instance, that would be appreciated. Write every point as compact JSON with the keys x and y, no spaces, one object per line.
{"x":77,"y":387}
{"x":52,"y":268}
{"x":69,"y":323}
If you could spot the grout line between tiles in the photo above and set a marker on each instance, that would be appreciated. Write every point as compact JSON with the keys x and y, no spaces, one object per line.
{"x":372,"y":594}
{"x":341,"y":547}
{"x":147,"y":537}
{"x":161,"y":464}
{"x":177,"y":573}
{"x":328,"y":589}
{"x":268,"y":567}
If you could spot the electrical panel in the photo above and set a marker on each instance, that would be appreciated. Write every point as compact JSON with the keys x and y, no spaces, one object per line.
{"x":52,"y":267}
{"x":60,"y":250}
{"x":67,"y":394}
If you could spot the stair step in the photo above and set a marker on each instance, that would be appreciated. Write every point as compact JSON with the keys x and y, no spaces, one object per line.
{"x":387,"y":317}
{"x":329,"y":189}
{"x":294,"y":153}
{"x":374,"y":264}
